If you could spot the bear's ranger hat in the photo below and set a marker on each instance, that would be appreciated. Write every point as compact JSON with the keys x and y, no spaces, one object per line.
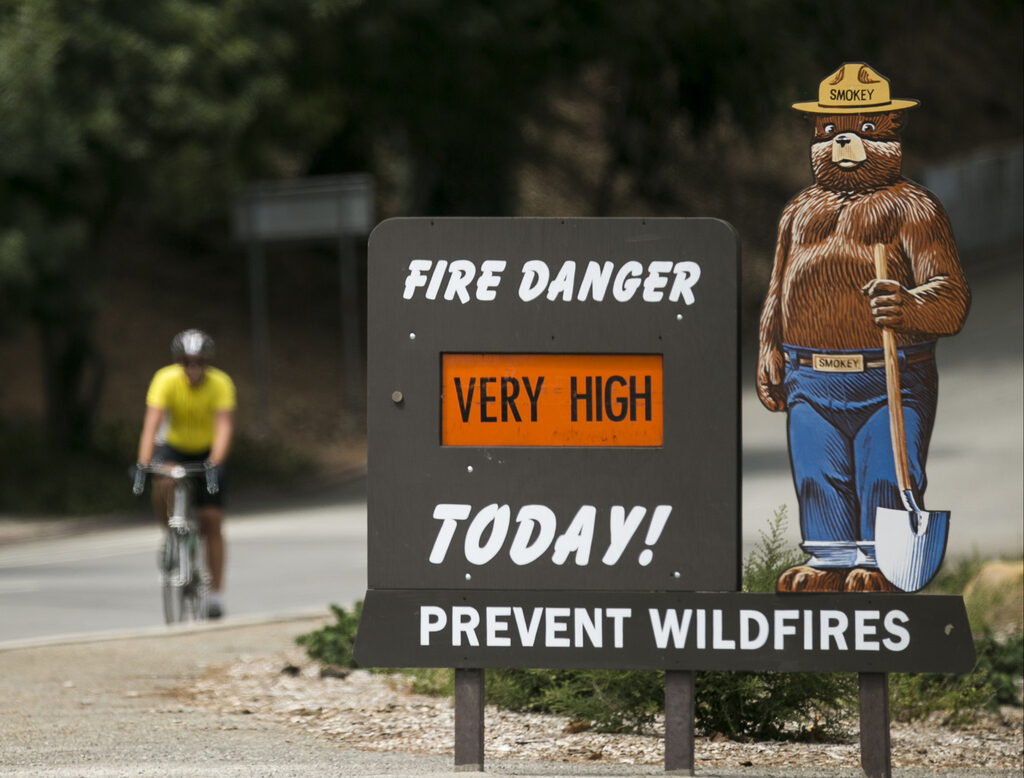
{"x":854,"y":88}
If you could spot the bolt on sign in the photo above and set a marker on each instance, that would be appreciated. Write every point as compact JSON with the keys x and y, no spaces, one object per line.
{"x":553,"y":417}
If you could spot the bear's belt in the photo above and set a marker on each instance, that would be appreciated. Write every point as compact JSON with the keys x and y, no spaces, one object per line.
{"x":855,"y":363}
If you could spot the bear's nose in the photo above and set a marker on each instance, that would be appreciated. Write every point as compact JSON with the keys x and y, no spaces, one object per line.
{"x":843,"y":140}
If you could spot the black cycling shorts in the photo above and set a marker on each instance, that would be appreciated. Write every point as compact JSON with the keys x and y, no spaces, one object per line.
{"x":165,"y":453}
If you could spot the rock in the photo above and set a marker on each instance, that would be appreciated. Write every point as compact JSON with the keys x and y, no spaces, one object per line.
{"x":995,"y":597}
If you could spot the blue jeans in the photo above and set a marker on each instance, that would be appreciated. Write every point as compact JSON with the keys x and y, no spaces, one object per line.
{"x":840,"y":448}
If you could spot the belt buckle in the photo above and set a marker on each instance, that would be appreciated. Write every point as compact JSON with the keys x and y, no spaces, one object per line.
{"x":838,"y":363}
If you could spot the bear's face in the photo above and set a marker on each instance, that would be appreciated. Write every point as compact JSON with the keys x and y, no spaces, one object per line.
{"x":856,"y":152}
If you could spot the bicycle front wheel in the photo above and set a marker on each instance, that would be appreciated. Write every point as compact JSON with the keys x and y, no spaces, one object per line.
{"x":197,"y":591}
{"x":172,"y":582}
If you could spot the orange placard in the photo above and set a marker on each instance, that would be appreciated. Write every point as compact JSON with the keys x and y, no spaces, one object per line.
{"x":551,"y":400}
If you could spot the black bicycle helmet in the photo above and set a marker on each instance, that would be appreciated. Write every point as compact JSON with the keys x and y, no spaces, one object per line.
{"x":192,"y":343}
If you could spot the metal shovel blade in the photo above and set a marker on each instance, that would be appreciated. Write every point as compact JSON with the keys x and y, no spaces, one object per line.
{"x":910,"y":544}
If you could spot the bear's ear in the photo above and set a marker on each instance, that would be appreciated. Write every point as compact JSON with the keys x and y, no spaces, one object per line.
{"x":898,"y":120}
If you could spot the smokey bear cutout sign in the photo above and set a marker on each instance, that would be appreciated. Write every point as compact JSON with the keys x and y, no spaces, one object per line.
{"x":863,"y":255}
{"x":553,"y":444}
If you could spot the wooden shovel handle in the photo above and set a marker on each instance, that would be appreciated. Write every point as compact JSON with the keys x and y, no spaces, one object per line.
{"x":892,"y":385}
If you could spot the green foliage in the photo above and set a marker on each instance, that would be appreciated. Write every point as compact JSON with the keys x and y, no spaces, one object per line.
{"x":774,"y":706}
{"x":332,"y":644}
{"x":915,"y":696}
{"x":434,"y":681}
{"x":1001,"y":664}
{"x":612,"y":700}
{"x":770,"y":556}
{"x":993,"y":682}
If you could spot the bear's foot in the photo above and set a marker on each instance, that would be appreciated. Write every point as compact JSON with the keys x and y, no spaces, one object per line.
{"x":867,"y":580}
{"x":803,"y":578}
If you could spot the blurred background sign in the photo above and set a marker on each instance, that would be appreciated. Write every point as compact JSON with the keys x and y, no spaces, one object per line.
{"x":339,"y":208}
{"x":305,"y":208}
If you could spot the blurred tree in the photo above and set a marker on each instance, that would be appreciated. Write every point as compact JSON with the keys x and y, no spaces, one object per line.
{"x":108,"y":104}
{"x":676,"y":70}
{"x":434,"y":93}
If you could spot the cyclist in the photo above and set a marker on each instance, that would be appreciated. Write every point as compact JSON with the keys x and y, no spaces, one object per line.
{"x":190,"y":418}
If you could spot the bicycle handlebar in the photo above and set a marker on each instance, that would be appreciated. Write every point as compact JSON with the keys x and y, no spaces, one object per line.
{"x":176,"y":472}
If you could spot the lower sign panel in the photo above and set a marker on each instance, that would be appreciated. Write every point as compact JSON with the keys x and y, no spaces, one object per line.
{"x":665,"y":630}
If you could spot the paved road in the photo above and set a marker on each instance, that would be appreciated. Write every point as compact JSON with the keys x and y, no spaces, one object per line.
{"x":280,"y":561}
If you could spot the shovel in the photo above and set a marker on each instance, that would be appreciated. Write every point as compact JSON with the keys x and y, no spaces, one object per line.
{"x":910,"y":543}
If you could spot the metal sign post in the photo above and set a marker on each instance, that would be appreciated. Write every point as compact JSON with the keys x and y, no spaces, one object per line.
{"x":469,"y":720}
{"x":337,"y":208}
{"x":875,"y":751}
{"x":680,"y":709}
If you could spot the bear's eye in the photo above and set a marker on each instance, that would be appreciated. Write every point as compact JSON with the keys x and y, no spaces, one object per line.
{"x":867,"y":127}
{"x":829,"y":128}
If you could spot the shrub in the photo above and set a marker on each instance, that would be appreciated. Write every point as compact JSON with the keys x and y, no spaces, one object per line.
{"x":770,"y":556}
{"x":1002,"y":665}
{"x":610,"y":700}
{"x":993,"y":682}
{"x":332,"y":644}
{"x":433,"y":681}
{"x":774,"y":706}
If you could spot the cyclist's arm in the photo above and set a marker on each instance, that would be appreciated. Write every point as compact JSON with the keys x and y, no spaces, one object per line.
{"x":223,"y":428}
{"x":147,"y":440}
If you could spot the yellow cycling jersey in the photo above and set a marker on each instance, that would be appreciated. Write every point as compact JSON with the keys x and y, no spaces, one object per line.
{"x":189,"y":410}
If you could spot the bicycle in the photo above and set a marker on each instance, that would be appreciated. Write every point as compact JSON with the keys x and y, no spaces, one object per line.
{"x":184,"y":580}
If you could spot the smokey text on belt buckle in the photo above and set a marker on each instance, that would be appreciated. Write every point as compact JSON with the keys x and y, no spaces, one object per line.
{"x":838,"y":363}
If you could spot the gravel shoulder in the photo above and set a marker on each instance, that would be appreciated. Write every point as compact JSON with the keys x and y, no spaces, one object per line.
{"x":240,"y":699}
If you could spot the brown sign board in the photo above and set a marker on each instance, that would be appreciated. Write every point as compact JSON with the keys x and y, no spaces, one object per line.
{"x":553,"y":404}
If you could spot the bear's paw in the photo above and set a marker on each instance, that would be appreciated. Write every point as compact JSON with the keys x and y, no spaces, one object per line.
{"x":803,"y":578}
{"x":867,"y":580}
